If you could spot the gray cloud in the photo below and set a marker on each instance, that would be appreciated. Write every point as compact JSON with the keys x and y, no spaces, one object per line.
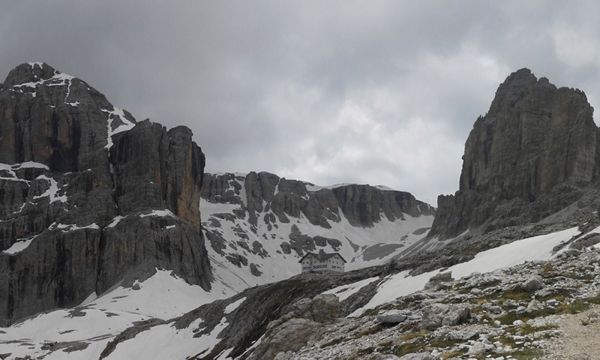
{"x":380,"y":92}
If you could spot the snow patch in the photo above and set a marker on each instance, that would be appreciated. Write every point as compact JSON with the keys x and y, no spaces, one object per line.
{"x":345,"y":291}
{"x":30,"y":165}
{"x":115,"y":221}
{"x":52,"y":191}
{"x":161,"y":296}
{"x":234,"y":305}
{"x":207,"y":208}
{"x":72,"y":227}
{"x":160,"y":213}
{"x":19,"y":246}
{"x":529,"y":249}
{"x":125,"y":126}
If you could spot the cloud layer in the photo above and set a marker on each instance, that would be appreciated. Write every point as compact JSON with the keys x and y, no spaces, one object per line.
{"x":379,"y":92}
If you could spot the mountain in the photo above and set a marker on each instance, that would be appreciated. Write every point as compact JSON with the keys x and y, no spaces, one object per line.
{"x":534,"y":153}
{"x":103,"y":222}
{"x":259,"y":225}
{"x":90,"y":198}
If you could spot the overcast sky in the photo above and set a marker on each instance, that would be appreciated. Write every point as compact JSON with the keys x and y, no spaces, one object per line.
{"x":379,"y":92}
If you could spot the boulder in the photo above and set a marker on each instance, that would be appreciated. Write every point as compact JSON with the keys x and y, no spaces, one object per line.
{"x":436,"y":281}
{"x":437,"y":315}
{"x":322,"y":308}
{"x":391,"y":317}
{"x":477,"y":349}
{"x":533,"y":284}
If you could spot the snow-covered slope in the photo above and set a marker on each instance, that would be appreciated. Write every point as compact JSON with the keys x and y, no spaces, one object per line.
{"x":530,"y":249}
{"x":84,"y":331}
{"x":151,"y":309}
{"x":259,"y":225}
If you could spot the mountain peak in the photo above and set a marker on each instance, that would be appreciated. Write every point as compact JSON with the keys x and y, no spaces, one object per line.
{"x":32,"y":72}
{"x":534,"y":141}
{"x":519,"y":79}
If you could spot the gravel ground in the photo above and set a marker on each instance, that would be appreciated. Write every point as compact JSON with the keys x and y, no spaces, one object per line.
{"x":578,"y":341}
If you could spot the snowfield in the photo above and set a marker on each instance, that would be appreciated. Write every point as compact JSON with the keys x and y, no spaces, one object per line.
{"x":90,"y":326}
{"x":530,"y":249}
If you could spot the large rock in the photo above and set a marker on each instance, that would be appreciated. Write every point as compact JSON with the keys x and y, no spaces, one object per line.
{"x":322,"y":308}
{"x":436,"y":281}
{"x":437,"y":315}
{"x":90,"y":198}
{"x":289,"y":336}
{"x":525,"y":159}
{"x":533,"y":284}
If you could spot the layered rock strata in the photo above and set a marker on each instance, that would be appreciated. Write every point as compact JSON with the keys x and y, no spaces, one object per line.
{"x":90,"y":197}
{"x":531,"y":155}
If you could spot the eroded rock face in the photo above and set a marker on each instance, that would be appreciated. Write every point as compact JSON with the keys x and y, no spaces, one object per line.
{"x":361,"y":205}
{"x":289,"y":336}
{"x":89,"y":196}
{"x":527,"y":158}
{"x":155,"y":168}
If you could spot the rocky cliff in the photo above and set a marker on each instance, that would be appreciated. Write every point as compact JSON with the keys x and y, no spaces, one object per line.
{"x":259,"y":224}
{"x":90,"y":197}
{"x":533,"y":154}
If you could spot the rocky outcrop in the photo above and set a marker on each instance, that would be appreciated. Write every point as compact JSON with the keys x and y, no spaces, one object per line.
{"x":361,"y":205}
{"x":289,"y":336}
{"x":288,"y":313}
{"x":528,"y":157}
{"x":437,"y":315}
{"x":90,"y":198}
{"x":155,"y":168}
{"x":260,"y":224}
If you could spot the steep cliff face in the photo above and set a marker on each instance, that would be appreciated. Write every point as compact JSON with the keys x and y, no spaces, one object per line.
{"x":89,"y":197}
{"x":259,"y":224}
{"x":527,"y":158}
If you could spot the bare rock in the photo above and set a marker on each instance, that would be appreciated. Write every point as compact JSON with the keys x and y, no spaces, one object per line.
{"x":77,"y":171}
{"x":417,"y":356}
{"x":436,"y":281}
{"x":289,"y":336}
{"x":533,"y":284}
{"x":392,"y":317}
{"x":524,"y":160}
{"x":437,"y":315}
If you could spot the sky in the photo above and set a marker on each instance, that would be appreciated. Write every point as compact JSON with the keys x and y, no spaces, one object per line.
{"x":377,"y":92}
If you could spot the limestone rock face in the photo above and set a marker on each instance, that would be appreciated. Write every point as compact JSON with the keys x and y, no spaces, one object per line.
{"x":525,"y":159}
{"x":156,"y":168}
{"x":362,"y":205}
{"x":258,"y":221}
{"x":90,"y":197}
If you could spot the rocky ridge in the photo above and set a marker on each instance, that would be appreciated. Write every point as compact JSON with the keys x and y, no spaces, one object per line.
{"x":90,"y":197}
{"x":235,"y":325}
{"x":259,"y":225}
{"x":509,"y":314}
{"x":532,"y":155}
